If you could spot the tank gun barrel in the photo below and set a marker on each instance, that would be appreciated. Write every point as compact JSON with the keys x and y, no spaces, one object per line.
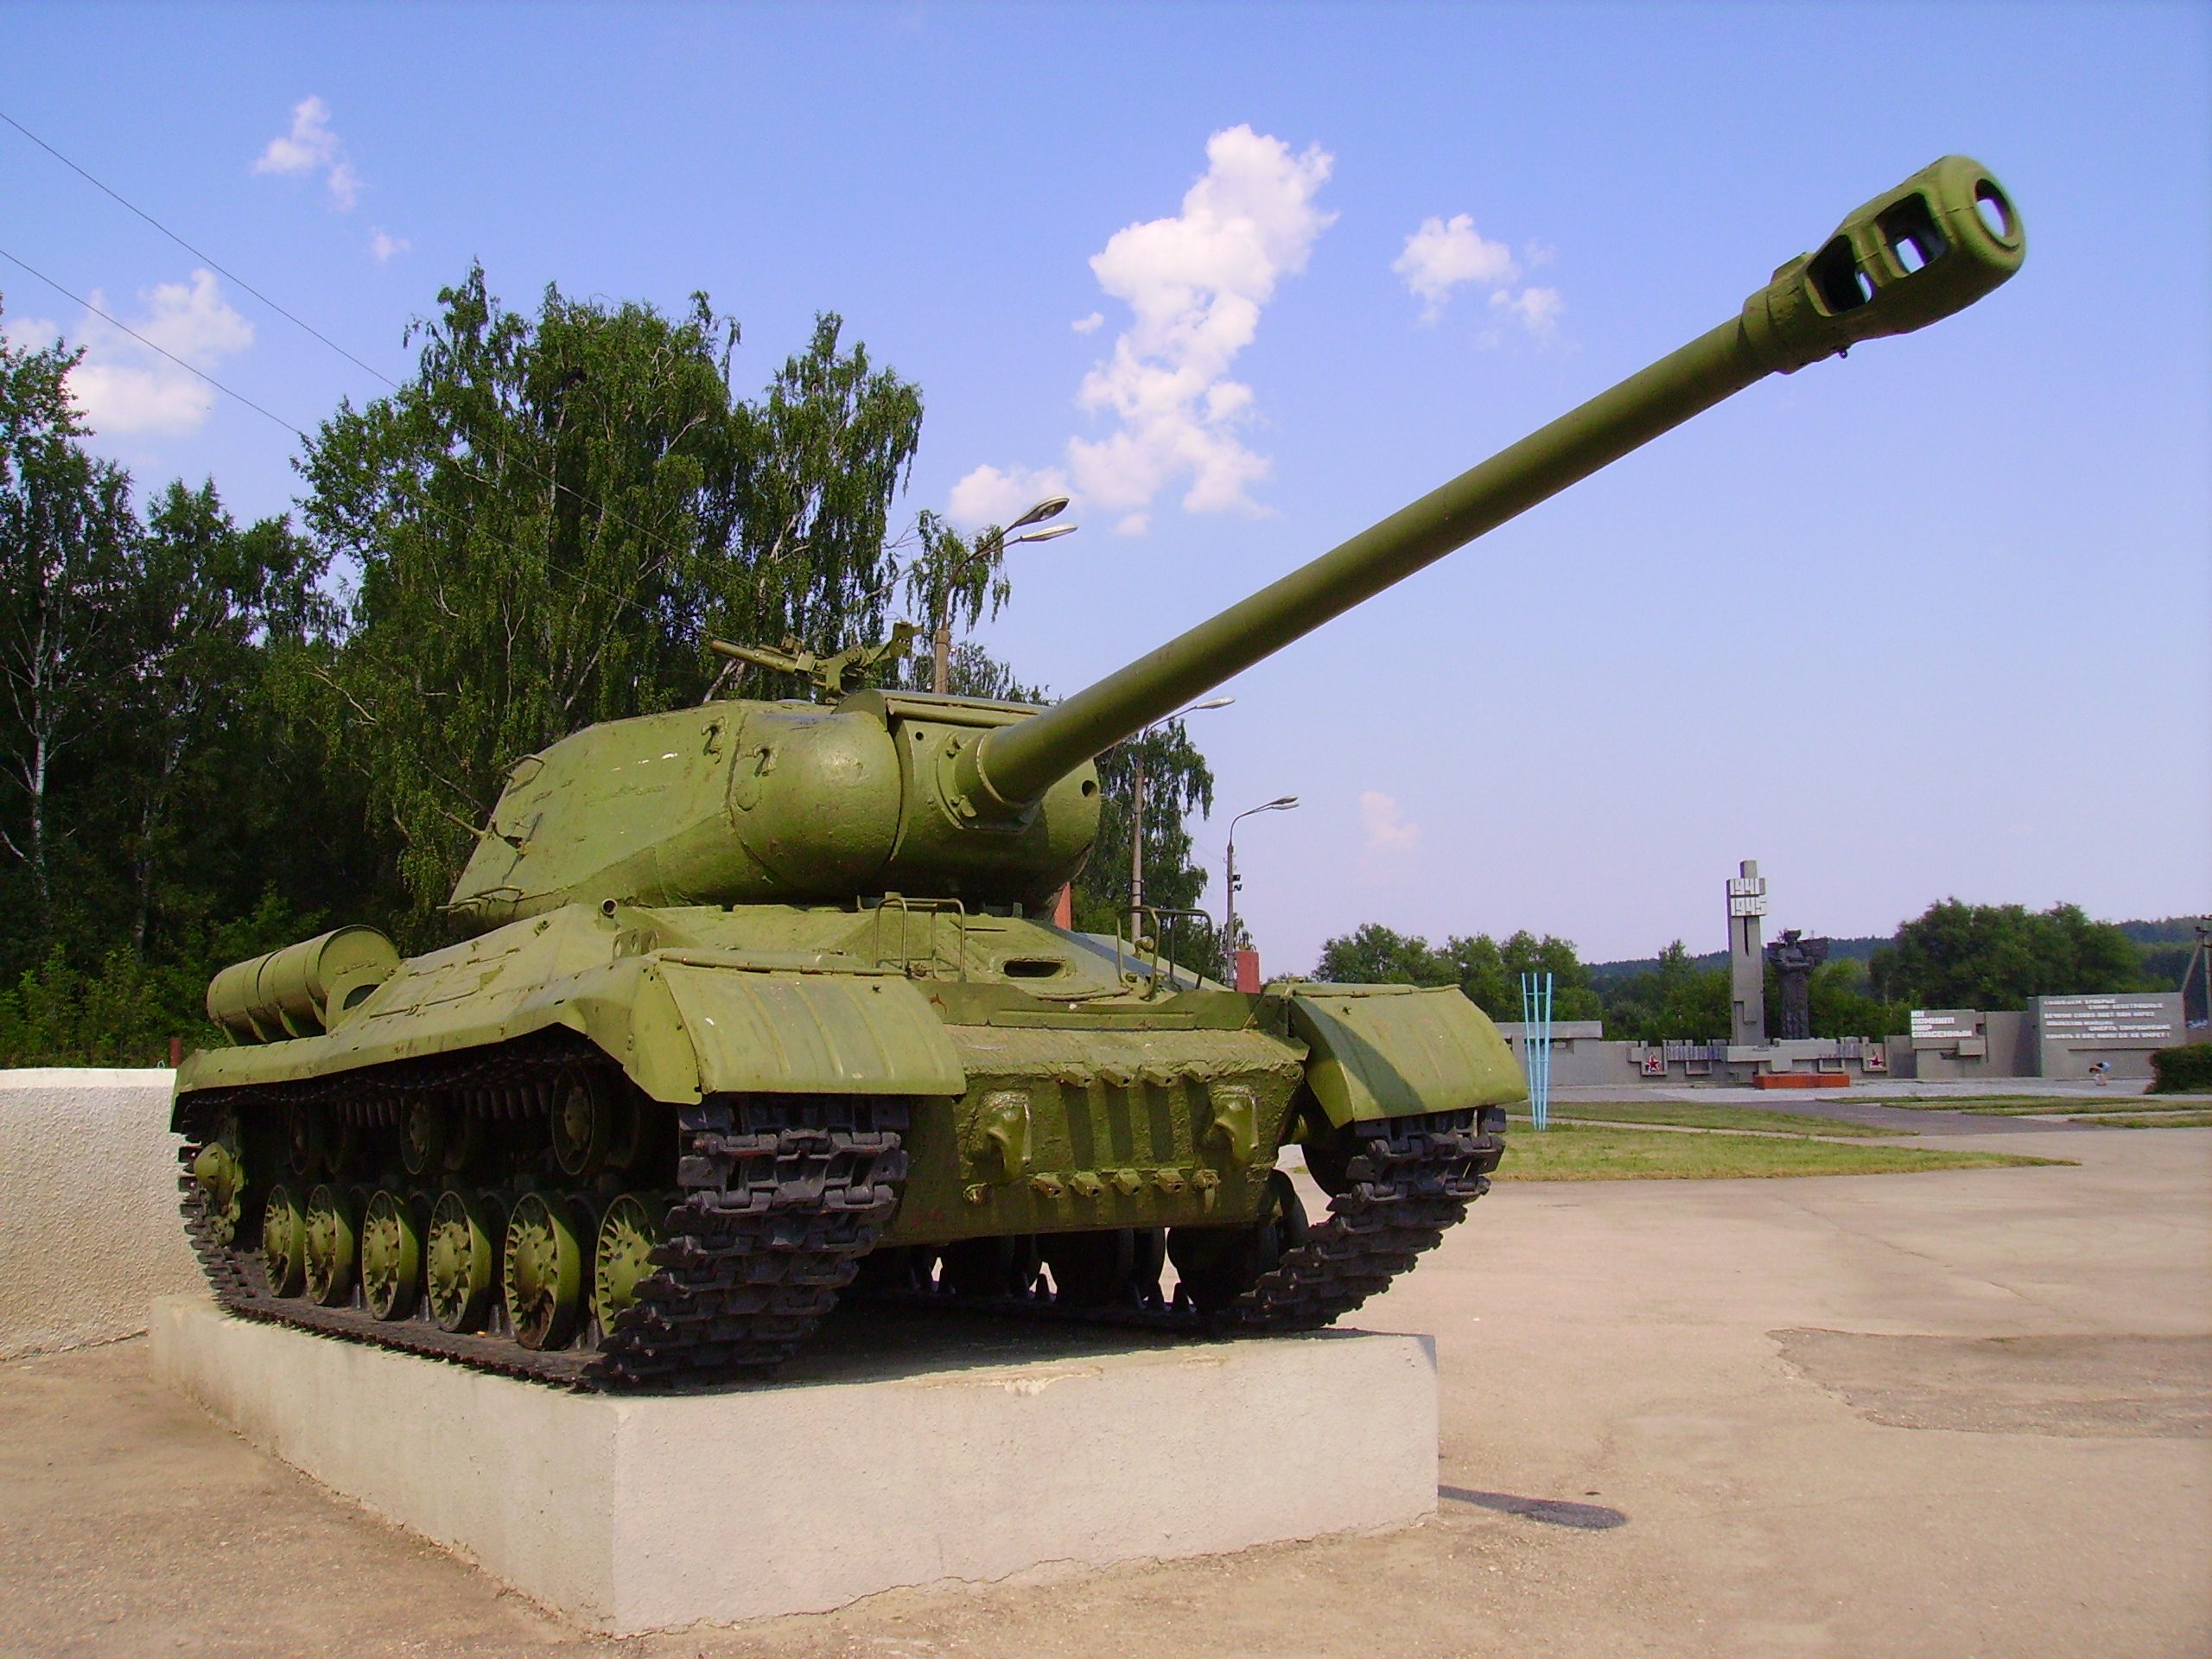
{"x":1933,"y":245}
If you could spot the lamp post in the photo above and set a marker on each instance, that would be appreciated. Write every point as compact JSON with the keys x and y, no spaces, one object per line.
{"x":1136,"y":806}
{"x":988,"y":549}
{"x":1281,"y":803}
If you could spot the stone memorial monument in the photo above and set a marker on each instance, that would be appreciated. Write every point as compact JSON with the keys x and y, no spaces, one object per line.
{"x":1794,"y":958}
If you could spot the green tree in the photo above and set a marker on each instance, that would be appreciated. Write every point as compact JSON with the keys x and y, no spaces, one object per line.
{"x":551,"y":518}
{"x":1842,"y":1005}
{"x":209,"y":606}
{"x":1177,"y":783}
{"x":1956,"y":954}
{"x":65,"y":531}
{"x":1372,"y":954}
{"x":1490,"y":973}
{"x":1675,"y":1000}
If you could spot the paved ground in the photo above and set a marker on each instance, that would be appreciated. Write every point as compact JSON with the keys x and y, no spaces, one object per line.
{"x":1963,"y":1413}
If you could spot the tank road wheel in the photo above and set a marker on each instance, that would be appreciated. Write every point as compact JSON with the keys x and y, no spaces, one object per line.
{"x":219,"y":1168}
{"x":392,"y":1257}
{"x":545,"y":1273}
{"x":1092,"y":1269}
{"x":283,"y":1243}
{"x":423,"y":1132}
{"x":332,"y":1227}
{"x":988,"y":1268}
{"x":1152,"y":1260}
{"x":463,"y":1262}
{"x":623,"y":1260}
{"x":1219,"y":1264}
{"x":303,"y":1137}
{"x":584,"y":1126}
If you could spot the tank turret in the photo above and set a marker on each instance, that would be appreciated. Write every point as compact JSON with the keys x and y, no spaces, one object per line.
{"x":996,"y":803}
{"x":749,"y":1021}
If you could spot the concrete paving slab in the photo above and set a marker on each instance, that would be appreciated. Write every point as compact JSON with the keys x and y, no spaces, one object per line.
{"x":640,"y":1513}
{"x":1634,"y":1460}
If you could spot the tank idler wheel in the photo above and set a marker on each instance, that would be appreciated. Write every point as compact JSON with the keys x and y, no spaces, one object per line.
{"x":462,"y":1261}
{"x":283,"y":1243}
{"x":583,"y":1127}
{"x":219,"y":1168}
{"x":392,"y":1257}
{"x":331,"y":1232}
{"x":628,"y":1234}
{"x":1092,"y":1269}
{"x":1219,"y":1264}
{"x":544,"y":1273}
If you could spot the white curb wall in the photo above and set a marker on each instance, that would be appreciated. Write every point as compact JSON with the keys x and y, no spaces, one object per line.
{"x":89,"y":1229}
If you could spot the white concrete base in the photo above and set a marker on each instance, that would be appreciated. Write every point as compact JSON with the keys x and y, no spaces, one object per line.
{"x":89,"y":1229}
{"x":910,"y":1461}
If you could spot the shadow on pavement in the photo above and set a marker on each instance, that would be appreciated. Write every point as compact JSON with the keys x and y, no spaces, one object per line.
{"x":1552,"y":1511}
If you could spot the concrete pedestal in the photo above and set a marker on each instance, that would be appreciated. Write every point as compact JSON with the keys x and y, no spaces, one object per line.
{"x":911,"y":1449}
{"x":89,"y":1231}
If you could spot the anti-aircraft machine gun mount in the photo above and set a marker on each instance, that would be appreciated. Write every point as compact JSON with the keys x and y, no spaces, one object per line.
{"x":754,"y":1002}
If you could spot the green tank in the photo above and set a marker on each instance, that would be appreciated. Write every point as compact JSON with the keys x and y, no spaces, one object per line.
{"x":758,"y":1002}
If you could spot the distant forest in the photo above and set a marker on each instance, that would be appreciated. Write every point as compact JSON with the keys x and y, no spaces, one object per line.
{"x":1953,"y":954}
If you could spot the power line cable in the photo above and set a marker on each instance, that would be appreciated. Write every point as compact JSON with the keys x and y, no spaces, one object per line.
{"x":212,"y":263}
{"x":454,"y":519}
{"x":545,"y":477}
{"x":151,"y":346}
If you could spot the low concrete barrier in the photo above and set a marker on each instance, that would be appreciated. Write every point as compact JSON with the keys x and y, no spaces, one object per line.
{"x":643,"y":1513}
{"x":89,"y":1232}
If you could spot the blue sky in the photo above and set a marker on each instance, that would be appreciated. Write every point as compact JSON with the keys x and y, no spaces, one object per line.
{"x":1931,"y":621}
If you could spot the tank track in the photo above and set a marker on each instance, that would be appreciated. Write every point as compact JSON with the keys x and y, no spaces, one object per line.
{"x":1407,"y":1180}
{"x":779,"y":1197}
{"x":1404,"y":1181}
{"x":780,"y":1200}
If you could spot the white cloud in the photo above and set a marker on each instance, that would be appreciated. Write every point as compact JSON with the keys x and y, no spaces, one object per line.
{"x":121,"y":385}
{"x":1443,"y":254}
{"x":988,"y":496}
{"x":1390,"y":836}
{"x":1447,"y":254}
{"x":1196,"y":284}
{"x":386,"y":247}
{"x":1537,"y":310}
{"x":1384,"y":820}
{"x":311,"y":146}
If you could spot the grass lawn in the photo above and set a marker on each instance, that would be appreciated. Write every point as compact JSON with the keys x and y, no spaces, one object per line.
{"x":1579,"y":1152}
{"x":2049,"y":1105}
{"x":2196,"y":1120}
{"x":1693,"y":1115}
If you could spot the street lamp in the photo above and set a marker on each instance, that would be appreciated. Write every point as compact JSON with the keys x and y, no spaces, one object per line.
{"x":989,"y":547}
{"x":1281,"y":803}
{"x":1136,"y":807}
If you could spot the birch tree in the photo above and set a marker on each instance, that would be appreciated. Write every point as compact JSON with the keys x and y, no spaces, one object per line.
{"x":66,"y":528}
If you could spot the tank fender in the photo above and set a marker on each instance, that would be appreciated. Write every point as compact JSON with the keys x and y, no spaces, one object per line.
{"x":681,"y":1029}
{"x":1394,"y":1050}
